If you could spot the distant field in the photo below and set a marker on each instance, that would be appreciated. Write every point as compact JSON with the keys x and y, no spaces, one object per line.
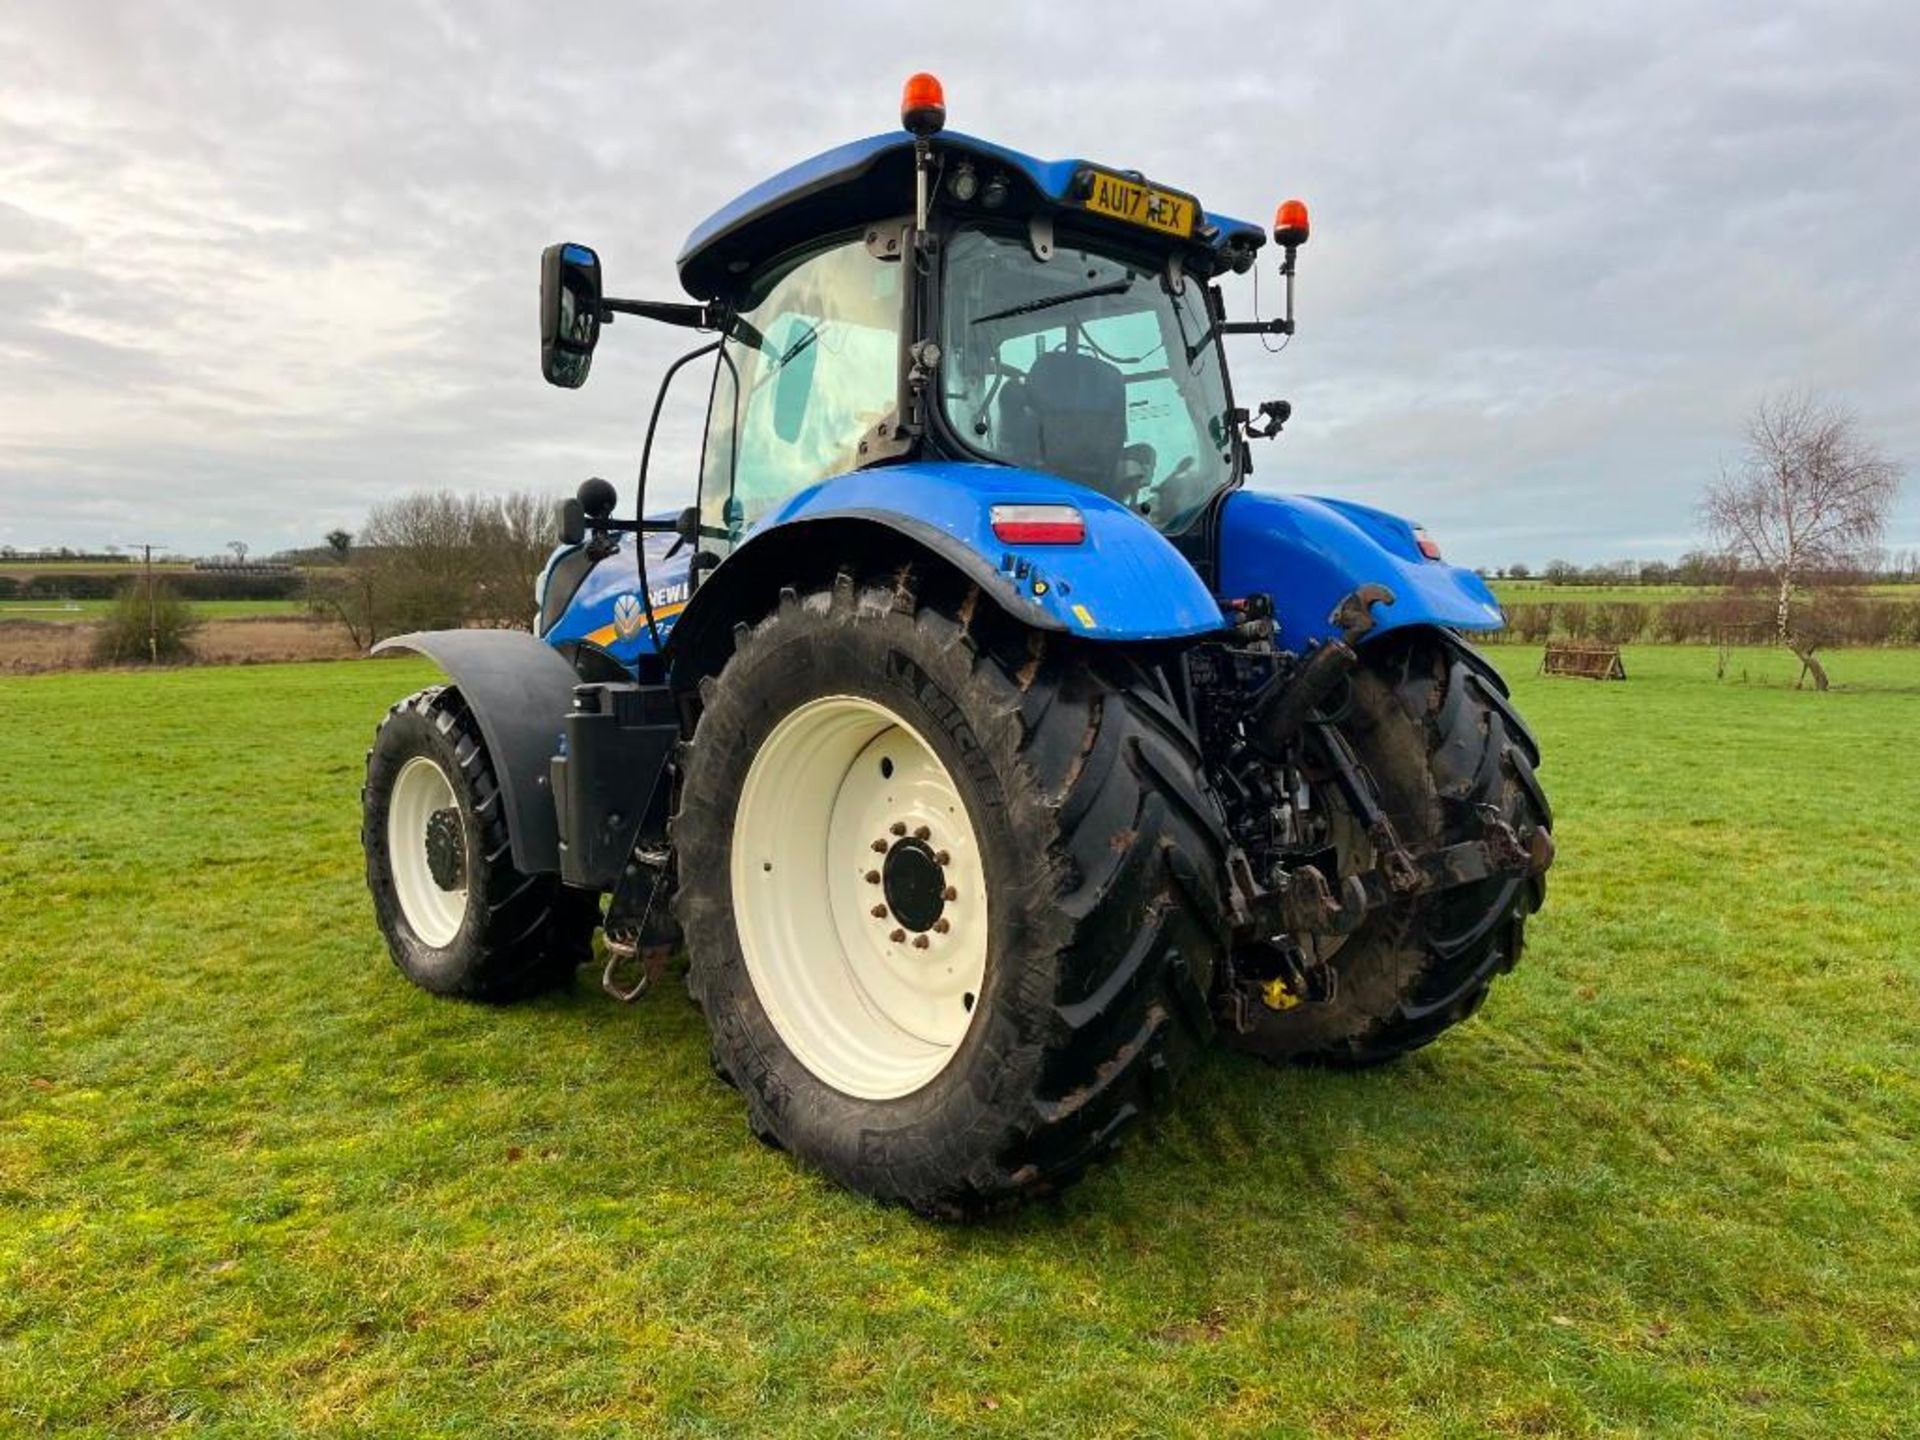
{"x":69,"y":611}
{"x":27,"y":569}
{"x":254,"y":1184}
{"x":226,"y":639}
{"x":1538,"y":592}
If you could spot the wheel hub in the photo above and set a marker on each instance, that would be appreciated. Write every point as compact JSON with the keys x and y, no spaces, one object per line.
{"x":427,"y":851}
{"x":860,"y":897}
{"x":915,"y":884}
{"x":446,"y":849}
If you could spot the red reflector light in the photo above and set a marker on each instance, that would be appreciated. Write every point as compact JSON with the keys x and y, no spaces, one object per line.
{"x":1429,"y":546}
{"x":923,"y":105}
{"x":1038,"y":524}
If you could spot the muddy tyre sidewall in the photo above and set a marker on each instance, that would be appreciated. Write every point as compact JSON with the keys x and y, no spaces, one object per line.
{"x":1020,"y":1108}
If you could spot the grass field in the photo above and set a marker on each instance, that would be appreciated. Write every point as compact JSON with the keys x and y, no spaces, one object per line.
{"x":75,"y":611}
{"x":1538,"y":592}
{"x":253,"y":1184}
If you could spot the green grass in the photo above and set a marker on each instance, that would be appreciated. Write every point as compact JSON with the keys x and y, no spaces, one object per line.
{"x":1537,"y":592}
{"x":252,"y":1183}
{"x":74,"y":611}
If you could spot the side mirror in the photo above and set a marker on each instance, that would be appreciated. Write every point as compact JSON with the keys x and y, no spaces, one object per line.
{"x":573,"y":523}
{"x":569,"y":313}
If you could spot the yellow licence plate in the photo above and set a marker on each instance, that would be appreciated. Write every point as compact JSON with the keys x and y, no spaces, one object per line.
{"x":1140,"y":204}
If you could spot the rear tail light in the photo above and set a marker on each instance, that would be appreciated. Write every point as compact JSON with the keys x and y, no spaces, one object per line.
{"x":1038,"y":525}
{"x":1429,"y":546}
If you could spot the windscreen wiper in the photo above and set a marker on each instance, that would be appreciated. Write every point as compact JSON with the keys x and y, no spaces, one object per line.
{"x":1112,"y":287}
{"x":792,"y":351}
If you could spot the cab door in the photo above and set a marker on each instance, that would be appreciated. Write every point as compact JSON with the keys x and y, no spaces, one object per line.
{"x":812,"y":365}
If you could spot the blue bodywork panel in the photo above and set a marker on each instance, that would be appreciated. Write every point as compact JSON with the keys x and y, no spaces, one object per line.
{"x":819,"y":189}
{"x":1310,"y":554}
{"x":606,"y":611}
{"x":1124,"y":582}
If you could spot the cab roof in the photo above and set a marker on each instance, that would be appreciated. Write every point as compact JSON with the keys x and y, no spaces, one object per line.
{"x":872,"y":179}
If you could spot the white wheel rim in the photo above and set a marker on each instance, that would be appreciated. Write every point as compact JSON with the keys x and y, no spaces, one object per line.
{"x":845,"y":807}
{"x":420,"y":791}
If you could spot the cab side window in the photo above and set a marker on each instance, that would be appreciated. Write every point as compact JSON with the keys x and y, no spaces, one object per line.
{"x":817,"y":366}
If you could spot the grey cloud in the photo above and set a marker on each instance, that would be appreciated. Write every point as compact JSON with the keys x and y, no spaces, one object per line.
{"x":263,"y":264}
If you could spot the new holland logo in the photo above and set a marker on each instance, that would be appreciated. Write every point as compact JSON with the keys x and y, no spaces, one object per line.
{"x":628,"y":616}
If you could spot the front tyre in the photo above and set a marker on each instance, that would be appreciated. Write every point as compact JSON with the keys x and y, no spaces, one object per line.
{"x":950,"y":890}
{"x":457,"y":917}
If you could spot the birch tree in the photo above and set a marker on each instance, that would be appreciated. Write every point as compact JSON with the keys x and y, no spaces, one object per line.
{"x":1809,"y":498}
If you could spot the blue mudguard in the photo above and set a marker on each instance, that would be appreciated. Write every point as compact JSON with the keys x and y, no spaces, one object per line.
{"x":1309,"y":554}
{"x":1124,"y":581}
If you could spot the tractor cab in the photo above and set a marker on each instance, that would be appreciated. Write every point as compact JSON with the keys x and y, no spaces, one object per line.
{"x":928,"y":295}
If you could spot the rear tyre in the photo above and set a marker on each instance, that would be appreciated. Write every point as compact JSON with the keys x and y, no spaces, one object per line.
{"x":457,"y":917}
{"x":1437,"y":737}
{"x":951,"y":894}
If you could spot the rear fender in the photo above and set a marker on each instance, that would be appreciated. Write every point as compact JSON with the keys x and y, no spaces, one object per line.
{"x":520,"y":691}
{"x":1124,"y":582}
{"x":1310,"y":554}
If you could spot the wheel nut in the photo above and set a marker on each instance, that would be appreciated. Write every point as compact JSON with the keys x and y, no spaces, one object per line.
{"x":922,"y":833}
{"x":897,"y":936}
{"x":879,"y":912}
{"x":949,"y":893}
{"x":879,"y":847}
{"x":919,"y":942}
{"x":898,"y":827}
{"x":942,"y":925}
{"x":873,"y":877}
{"x":941,"y":857}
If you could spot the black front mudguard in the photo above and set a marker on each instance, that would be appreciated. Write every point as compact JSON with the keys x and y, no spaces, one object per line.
{"x":520,"y":691}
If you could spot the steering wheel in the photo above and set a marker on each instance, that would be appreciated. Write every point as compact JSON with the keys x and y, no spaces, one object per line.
{"x":1149,"y":491}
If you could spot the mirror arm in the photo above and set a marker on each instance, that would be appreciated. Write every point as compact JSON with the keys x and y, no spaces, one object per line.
{"x":636,"y":527}
{"x":667,"y":312}
{"x":1255,"y":327}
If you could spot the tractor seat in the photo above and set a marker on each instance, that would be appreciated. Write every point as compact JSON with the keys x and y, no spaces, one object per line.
{"x":1068,"y":417}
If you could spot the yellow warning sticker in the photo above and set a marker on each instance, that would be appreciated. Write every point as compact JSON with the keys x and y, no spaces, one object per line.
{"x":1083,"y":615}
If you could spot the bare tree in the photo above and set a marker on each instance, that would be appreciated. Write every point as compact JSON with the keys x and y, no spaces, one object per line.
{"x":432,"y":560}
{"x":513,"y":536}
{"x":1809,"y":497}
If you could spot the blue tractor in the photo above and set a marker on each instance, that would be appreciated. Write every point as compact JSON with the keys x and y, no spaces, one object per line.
{"x":986,"y":741}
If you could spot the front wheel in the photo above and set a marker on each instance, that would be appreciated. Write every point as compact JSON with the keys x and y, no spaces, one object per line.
{"x":457,"y":917}
{"x":1444,"y":751}
{"x":951,"y":894}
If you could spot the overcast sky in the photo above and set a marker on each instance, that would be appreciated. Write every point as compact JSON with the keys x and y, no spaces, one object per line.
{"x":264,"y":264}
